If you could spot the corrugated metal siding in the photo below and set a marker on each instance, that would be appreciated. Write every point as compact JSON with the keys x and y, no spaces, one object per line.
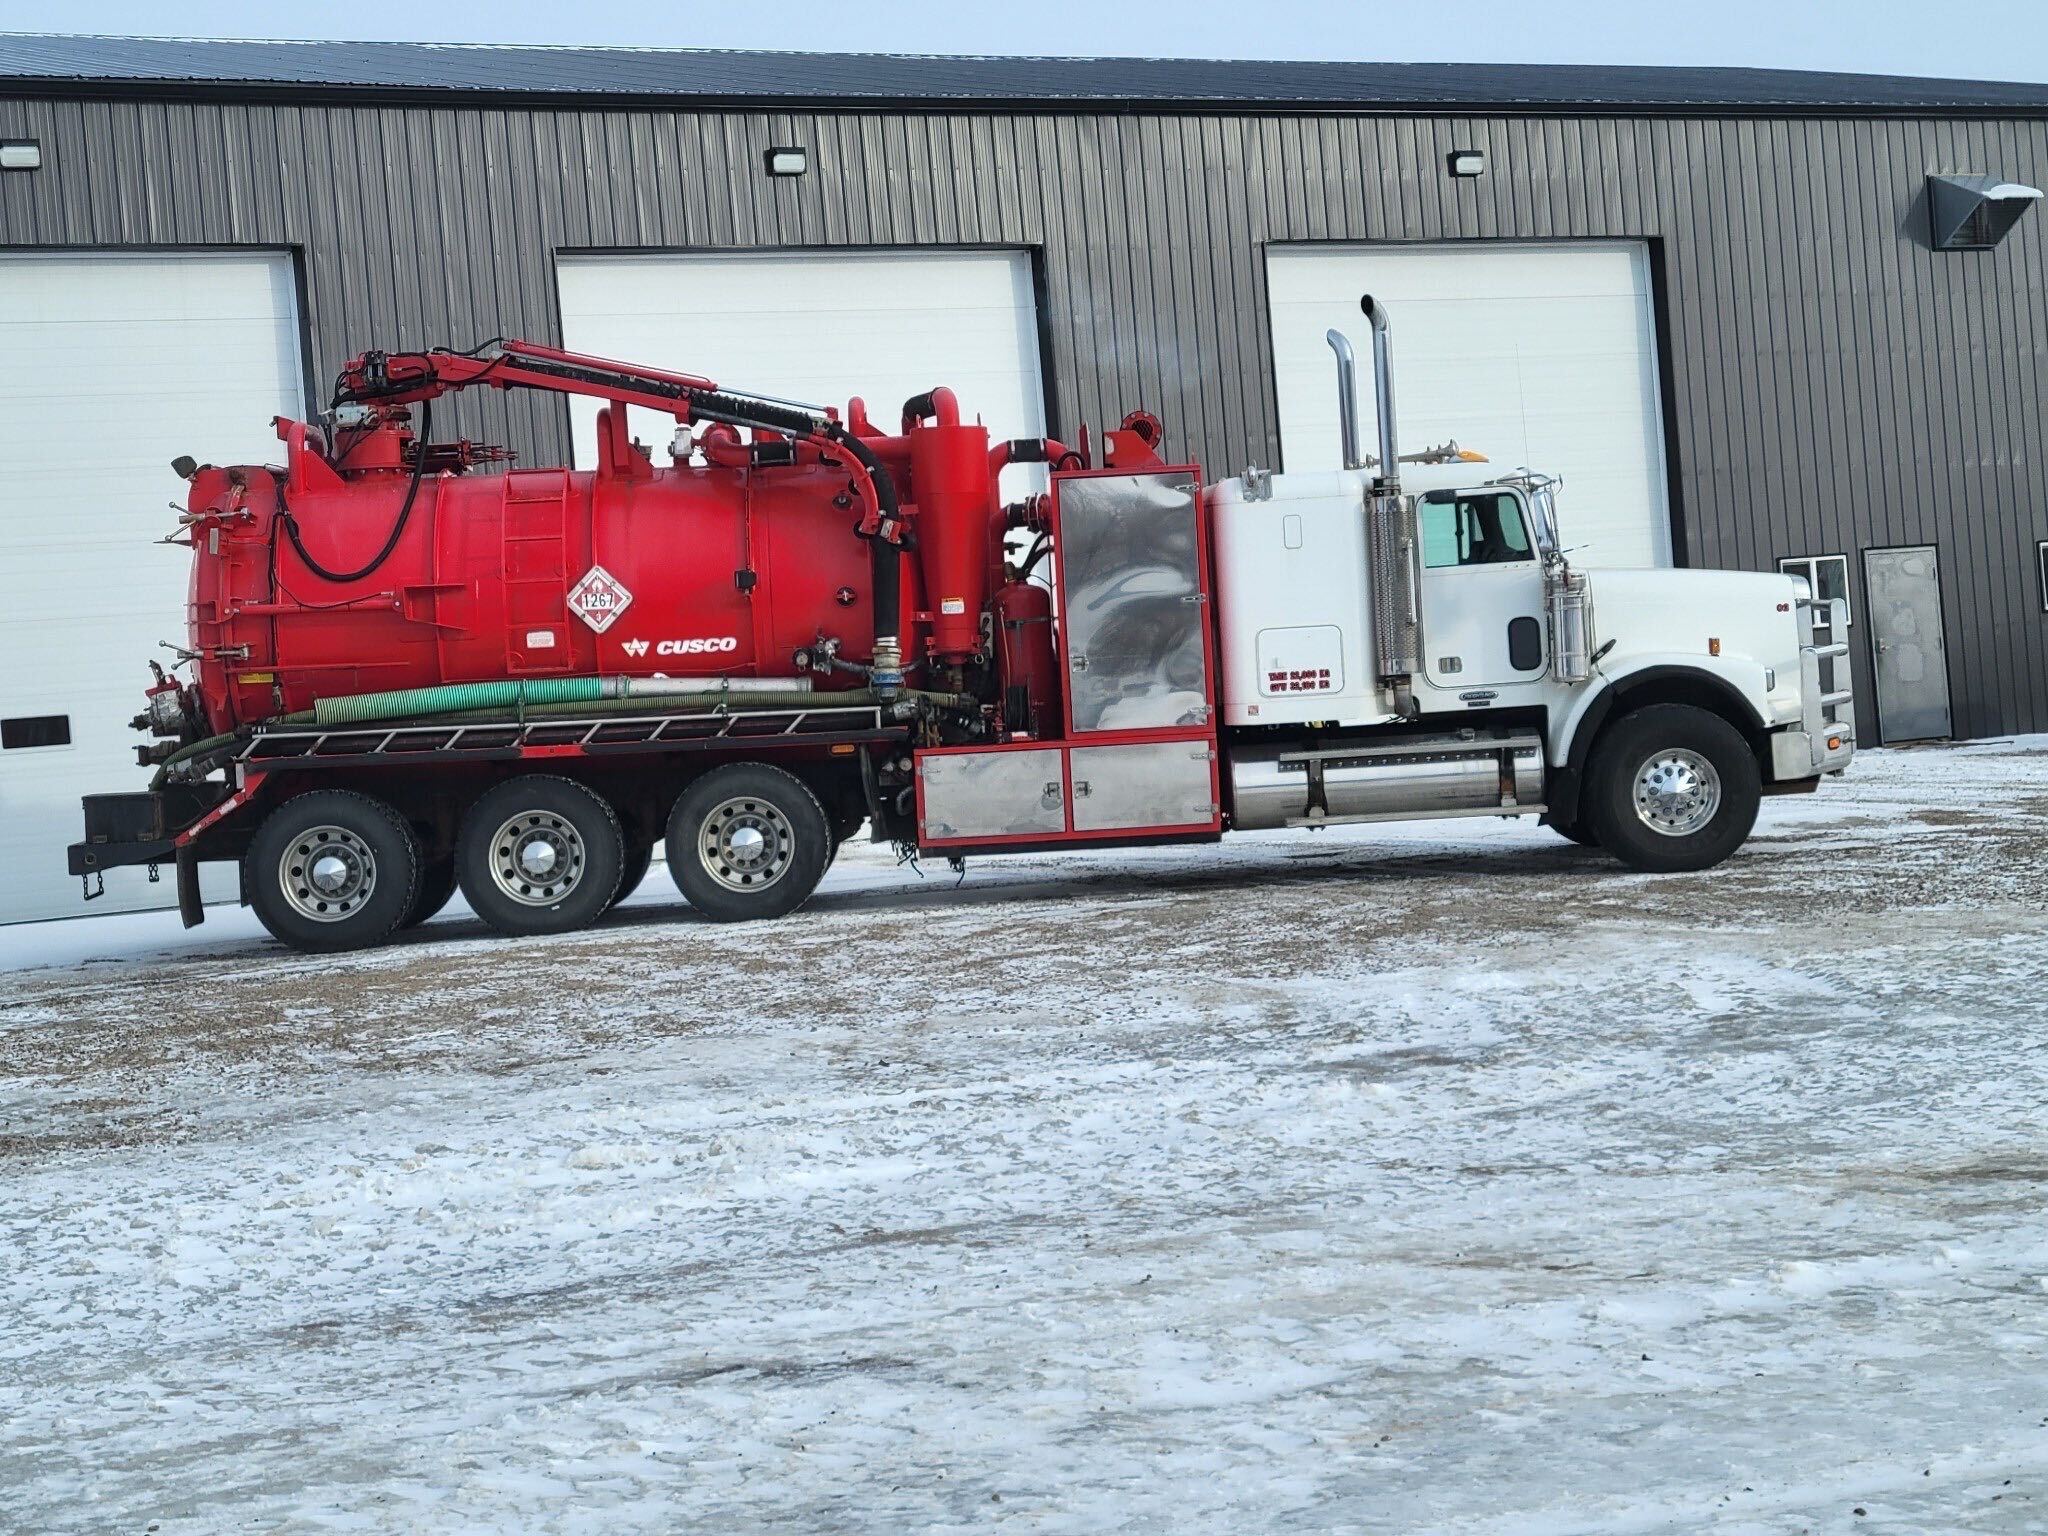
{"x":1834,"y":385}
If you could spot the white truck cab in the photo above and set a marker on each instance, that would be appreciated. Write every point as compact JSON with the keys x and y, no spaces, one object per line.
{"x":1419,"y":643}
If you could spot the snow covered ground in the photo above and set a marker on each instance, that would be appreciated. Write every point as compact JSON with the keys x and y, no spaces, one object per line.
{"x":1436,"y":1178}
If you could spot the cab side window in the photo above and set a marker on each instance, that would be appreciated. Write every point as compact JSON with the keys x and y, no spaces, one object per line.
{"x":1480,"y":529}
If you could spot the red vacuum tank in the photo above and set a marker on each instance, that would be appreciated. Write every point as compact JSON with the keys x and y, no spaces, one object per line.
{"x":382,"y":561}
{"x":705,"y":569}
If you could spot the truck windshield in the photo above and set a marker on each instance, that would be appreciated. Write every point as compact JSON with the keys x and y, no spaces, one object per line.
{"x":1479,"y":529}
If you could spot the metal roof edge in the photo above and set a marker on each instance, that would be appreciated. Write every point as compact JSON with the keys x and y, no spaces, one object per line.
{"x":514,"y":98}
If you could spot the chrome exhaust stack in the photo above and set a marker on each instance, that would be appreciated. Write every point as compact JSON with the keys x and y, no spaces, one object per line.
{"x":1347,"y":397}
{"x":1382,"y":388}
{"x":1390,"y":540}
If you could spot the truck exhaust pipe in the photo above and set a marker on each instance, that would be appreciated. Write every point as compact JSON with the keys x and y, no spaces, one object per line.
{"x":1382,"y":387}
{"x":1390,"y":538}
{"x":1347,"y":397}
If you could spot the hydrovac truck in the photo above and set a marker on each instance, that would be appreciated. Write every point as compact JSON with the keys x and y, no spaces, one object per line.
{"x":412,"y":667}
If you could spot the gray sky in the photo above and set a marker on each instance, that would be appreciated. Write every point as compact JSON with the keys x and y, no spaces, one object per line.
{"x":1985,"y":39}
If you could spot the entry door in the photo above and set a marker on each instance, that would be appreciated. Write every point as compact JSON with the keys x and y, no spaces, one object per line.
{"x":1482,"y":591}
{"x":1909,"y":654}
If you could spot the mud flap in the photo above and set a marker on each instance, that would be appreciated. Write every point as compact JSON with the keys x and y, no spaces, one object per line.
{"x":191,"y":910}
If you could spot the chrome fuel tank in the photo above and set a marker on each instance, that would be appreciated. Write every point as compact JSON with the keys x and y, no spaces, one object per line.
{"x":1417,"y":778}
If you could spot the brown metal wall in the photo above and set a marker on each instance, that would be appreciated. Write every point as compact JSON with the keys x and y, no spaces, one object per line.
{"x":1832,"y":384}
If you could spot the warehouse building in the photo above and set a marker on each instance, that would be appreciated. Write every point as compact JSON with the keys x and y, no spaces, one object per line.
{"x":1756,"y":319}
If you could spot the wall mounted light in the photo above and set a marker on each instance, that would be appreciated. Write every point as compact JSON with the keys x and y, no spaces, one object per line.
{"x":21,"y":154}
{"x":788,"y":160}
{"x":1468,"y":162}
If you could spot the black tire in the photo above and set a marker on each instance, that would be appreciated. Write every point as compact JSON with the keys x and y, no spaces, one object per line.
{"x":1660,"y":749}
{"x":540,"y":812}
{"x":433,"y":891}
{"x":638,"y":857}
{"x":706,"y":861}
{"x":377,"y":870}
{"x":1576,"y":831}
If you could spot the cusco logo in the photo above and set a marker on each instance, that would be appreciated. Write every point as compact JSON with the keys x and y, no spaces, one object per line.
{"x":706,"y":646}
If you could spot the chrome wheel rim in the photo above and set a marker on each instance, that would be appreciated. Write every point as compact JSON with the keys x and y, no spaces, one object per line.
{"x":746,"y":844}
{"x":537,"y":858}
{"x":327,"y":873}
{"x":1677,"y":792}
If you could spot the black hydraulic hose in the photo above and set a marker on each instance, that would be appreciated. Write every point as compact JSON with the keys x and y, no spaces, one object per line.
{"x":412,"y":491}
{"x":186,"y":754}
{"x":740,"y":411}
{"x":886,"y":559}
{"x":885,"y":563}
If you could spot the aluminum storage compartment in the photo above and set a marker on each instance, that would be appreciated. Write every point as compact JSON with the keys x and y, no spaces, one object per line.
{"x":991,"y":794}
{"x":1144,"y":784}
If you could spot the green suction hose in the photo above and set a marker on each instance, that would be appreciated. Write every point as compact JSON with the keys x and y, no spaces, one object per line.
{"x":405,"y":703}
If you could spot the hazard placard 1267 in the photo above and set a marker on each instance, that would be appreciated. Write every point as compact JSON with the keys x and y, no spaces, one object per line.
{"x":599,"y":598}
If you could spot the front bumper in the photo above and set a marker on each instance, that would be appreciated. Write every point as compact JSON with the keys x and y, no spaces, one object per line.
{"x":1804,"y":755}
{"x":1826,"y":737}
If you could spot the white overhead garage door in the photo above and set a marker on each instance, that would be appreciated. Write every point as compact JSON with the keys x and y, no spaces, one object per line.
{"x":110,"y":367}
{"x":816,"y":326}
{"x":1537,"y":355}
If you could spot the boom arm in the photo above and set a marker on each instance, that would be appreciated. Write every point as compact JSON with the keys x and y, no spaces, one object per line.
{"x":401,"y":378}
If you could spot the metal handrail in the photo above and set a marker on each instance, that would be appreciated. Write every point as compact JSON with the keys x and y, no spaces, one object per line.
{"x":559,"y":731}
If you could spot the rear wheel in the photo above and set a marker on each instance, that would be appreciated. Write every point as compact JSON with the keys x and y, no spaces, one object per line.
{"x":332,"y":870}
{"x":540,"y":854}
{"x":747,"y":841}
{"x":1672,"y":788}
{"x":436,"y":886}
{"x":638,"y":857}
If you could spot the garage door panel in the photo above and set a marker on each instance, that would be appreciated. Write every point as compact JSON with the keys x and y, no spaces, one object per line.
{"x":818,"y":326}
{"x":1516,"y":274}
{"x":136,"y":359}
{"x":1533,"y":355}
{"x":227,"y":288}
{"x":790,"y":282}
{"x":73,"y":382}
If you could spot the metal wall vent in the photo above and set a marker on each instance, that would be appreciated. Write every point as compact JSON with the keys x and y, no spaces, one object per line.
{"x":1973,"y":213}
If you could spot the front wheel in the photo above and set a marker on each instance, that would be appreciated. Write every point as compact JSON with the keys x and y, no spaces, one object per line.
{"x":1671,"y":788}
{"x":540,"y":854}
{"x":332,"y":870}
{"x":747,"y":841}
